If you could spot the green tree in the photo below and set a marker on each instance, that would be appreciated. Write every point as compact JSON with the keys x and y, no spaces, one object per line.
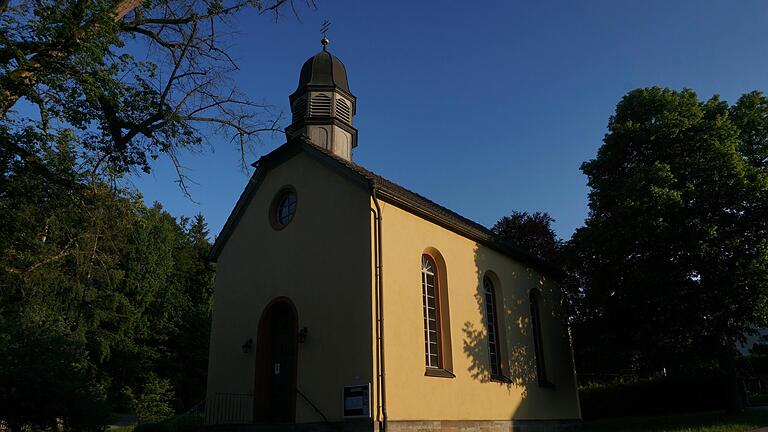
{"x":85,"y":266}
{"x":187,"y":363}
{"x":673,"y":257}
{"x":46,"y":380}
{"x":750,"y":115}
{"x":530,"y":232}
{"x":154,"y":402}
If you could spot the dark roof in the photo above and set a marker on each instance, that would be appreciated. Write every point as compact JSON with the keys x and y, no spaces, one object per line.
{"x":395,"y":190}
{"x":387,"y":191}
{"x":323,"y":69}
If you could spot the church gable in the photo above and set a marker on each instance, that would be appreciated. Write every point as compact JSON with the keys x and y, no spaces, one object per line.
{"x":386,"y":190}
{"x":290,"y":163}
{"x":300,"y":234}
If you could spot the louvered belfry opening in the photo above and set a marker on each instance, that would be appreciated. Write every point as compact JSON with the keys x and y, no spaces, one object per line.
{"x":343,"y":111}
{"x":300,"y":109}
{"x":320,"y":106}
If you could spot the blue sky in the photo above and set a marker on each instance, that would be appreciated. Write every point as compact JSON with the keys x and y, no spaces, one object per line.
{"x":484,"y":107}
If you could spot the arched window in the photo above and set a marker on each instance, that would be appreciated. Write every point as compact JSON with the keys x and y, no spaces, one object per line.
{"x":430,"y":290}
{"x":492,"y":325}
{"x":538,"y":343}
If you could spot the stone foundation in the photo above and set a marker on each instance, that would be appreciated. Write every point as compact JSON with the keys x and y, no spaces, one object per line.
{"x":346,"y":426}
{"x":413,"y":426}
{"x":484,"y":426}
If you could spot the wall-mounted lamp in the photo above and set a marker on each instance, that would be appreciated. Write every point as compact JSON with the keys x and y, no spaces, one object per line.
{"x":302,"y":335}
{"x":247,"y":346}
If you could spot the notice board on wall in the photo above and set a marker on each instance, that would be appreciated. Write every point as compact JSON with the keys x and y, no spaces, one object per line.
{"x":357,"y":401}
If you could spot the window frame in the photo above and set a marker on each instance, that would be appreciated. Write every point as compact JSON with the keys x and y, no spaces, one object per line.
{"x":535,"y":299}
{"x":442,"y":320}
{"x":275,"y":206}
{"x":492,"y":328}
{"x":425,"y":307}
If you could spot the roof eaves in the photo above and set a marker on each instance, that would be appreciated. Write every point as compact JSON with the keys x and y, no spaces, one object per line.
{"x":429,"y":210}
{"x":262,"y":166}
{"x":466,"y":228}
{"x":234,"y":216}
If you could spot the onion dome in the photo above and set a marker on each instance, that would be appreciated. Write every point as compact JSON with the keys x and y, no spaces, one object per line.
{"x":323,"y":70}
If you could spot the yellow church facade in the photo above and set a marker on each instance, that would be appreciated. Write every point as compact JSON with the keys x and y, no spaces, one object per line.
{"x":346,"y":302}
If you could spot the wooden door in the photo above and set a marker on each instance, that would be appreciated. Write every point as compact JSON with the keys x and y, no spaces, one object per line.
{"x":275,"y":391}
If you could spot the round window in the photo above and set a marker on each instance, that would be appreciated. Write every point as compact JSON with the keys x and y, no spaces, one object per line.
{"x":283,"y":208}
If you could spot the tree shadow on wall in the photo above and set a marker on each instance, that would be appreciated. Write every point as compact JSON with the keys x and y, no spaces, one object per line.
{"x":516,"y":343}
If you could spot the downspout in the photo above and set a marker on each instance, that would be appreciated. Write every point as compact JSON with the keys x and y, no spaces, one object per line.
{"x":381,"y":412}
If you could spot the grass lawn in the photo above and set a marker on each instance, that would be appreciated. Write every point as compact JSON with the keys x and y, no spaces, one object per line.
{"x":704,"y":422}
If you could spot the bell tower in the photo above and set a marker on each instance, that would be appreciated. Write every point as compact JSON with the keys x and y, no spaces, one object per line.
{"x":322,"y":106}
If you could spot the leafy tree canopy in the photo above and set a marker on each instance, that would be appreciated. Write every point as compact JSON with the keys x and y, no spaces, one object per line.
{"x":530,"y":232}
{"x":104,"y":302}
{"x":673,"y":258}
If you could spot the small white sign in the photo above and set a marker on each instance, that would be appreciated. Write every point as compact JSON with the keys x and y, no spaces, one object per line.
{"x":357,"y":401}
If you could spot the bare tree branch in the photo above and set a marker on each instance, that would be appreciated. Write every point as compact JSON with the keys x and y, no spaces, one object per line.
{"x":159,"y":105}
{"x":181,"y":57}
{"x":67,"y":250}
{"x":152,"y":35}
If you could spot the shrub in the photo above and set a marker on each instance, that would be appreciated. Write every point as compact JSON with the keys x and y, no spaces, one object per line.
{"x":154,"y":402}
{"x":665,"y":395}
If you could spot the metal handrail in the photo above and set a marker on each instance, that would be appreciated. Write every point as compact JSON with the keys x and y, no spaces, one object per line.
{"x":325,"y":419}
{"x":229,"y":408}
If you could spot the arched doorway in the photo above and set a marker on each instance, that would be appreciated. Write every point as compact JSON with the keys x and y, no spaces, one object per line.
{"x":275,"y":386}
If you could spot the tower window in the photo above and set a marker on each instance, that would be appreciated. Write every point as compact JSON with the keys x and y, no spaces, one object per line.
{"x":343,"y":111}
{"x":429,"y":287}
{"x":492,"y":325}
{"x":320,"y":105}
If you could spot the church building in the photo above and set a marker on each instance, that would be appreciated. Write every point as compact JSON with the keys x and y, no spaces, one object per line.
{"x":345,"y":302}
